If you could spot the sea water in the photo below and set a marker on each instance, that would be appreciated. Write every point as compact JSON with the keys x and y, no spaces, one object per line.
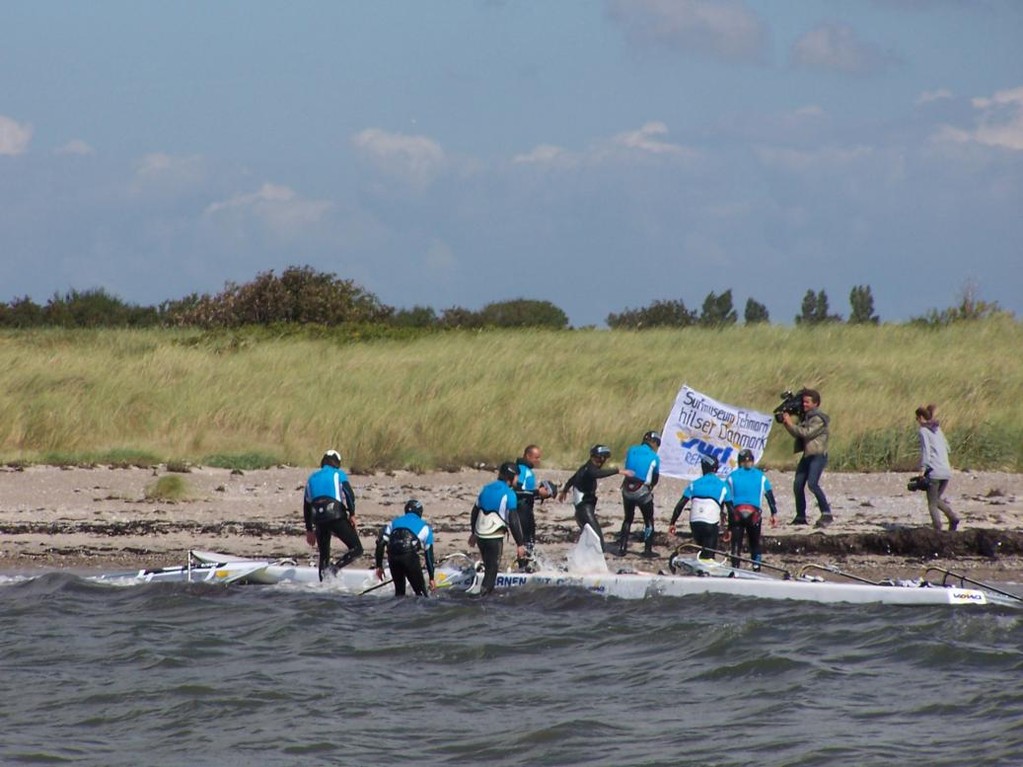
{"x":184,"y":674}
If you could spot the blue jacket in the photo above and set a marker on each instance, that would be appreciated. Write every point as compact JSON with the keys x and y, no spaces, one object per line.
{"x":327,"y":482}
{"x":418,"y":527}
{"x":526,"y":480}
{"x":709,"y":486}
{"x":497,"y":498}
{"x":749,"y":486}
{"x":644,"y":461}
{"x":415,"y":523}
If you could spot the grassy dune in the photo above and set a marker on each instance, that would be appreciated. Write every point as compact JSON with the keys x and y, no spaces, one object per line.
{"x":452,"y":399}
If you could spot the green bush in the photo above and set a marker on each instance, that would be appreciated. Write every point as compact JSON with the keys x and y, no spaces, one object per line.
{"x":170,"y":487}
{"x":299,"y":295}
{"x":659,"y":314}
{"x":241,"y":461}
{"x":523,"y":313}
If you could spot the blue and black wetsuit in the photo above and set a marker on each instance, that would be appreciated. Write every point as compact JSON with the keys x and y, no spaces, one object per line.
{"x":328,"y":507}
{"x":525,"y":495}
{"x":638,"y":491}
{"x":583,"y":485}
{"x":748,"y":487}
{"x":711,"y":506}
{"x":403,"y":538}
{"x":493,"y":515}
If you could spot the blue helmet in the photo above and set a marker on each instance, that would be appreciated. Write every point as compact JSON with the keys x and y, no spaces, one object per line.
{"x":412,"y":506}
{"x":710,"y":464}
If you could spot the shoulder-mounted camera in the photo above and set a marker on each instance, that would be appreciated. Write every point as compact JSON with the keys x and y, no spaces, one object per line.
{"x":791,"y":403}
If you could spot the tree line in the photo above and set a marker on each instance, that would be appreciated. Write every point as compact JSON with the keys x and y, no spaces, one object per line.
{"x":300,"y":295}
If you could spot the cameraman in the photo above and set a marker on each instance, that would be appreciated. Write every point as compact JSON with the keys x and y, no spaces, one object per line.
{"x":811,"y":434}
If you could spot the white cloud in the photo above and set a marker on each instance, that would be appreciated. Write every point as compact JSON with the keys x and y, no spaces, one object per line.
{"x":800,"y":160}
{"x":998,"y":124}
{"x":804,"y":118}
{"x":164,"y":171}
{"x":278,"y":207}
{"x":14,"y":136}
{"x":927,"y":97}
{"x":646,"y":139}
{"x":417,"y":160}
{"x":75,"y":147}
{"x":545,"y":154}
{"x":1001,"y":120}
{"x":809,"y":111}
{"x":721,"y":28}
{"x":836,"y":47}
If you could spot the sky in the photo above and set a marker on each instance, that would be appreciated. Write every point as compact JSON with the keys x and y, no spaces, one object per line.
{"x":597,"y":154}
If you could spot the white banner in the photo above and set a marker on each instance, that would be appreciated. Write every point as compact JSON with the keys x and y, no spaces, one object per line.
{"x":699,"y":425}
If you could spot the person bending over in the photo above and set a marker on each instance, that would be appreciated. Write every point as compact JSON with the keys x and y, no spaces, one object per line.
{"x":493,"y":515}
{"x":711,"y":507}
{"x":403,"y":538}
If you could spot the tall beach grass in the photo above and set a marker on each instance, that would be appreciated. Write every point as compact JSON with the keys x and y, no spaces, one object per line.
{"x":463,"y":398}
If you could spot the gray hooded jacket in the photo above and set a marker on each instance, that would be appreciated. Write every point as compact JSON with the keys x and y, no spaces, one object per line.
{"x":934,"y":452}
{"x":811,"y":433}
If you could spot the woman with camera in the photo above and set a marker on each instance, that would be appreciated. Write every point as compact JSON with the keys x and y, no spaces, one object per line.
{"x":934,"y":463}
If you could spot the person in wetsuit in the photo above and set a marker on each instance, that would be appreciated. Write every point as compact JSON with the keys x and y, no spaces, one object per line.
{"x":527,"y":490}
{"x":638,"y":490}
{"x":493,"y":515}
{"x":403,"y":538}
{"x":711,"y":507}
{"x":583,"y":485}
{"x":748,"y":486}
{"x":329,"y":509}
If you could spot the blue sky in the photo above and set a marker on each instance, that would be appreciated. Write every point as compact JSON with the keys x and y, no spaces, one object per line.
{"x":599,"y":155}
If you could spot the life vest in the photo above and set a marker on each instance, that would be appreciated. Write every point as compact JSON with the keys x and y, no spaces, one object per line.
{"x":490,"y":524}
{"x":635,"y":490}
{"x":326,"y":509}
{"x":746,"y":513}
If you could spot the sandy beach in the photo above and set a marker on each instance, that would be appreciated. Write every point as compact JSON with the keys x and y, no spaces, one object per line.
{"x":99,"y":518}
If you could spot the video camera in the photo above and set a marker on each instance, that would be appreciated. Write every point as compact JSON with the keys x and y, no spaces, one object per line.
{"x":918,"y":483}
{"x":791,"y":403}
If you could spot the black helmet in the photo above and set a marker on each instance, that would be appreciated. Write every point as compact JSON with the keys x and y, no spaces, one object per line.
{"x":600,"y":451}
{"x":652,"y":436}
{"x":332,"y":458}
{"x":412,"y":506}
{"x":710,"y":464}
{"x":508,"y":470}
{"x":746,"y":455}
